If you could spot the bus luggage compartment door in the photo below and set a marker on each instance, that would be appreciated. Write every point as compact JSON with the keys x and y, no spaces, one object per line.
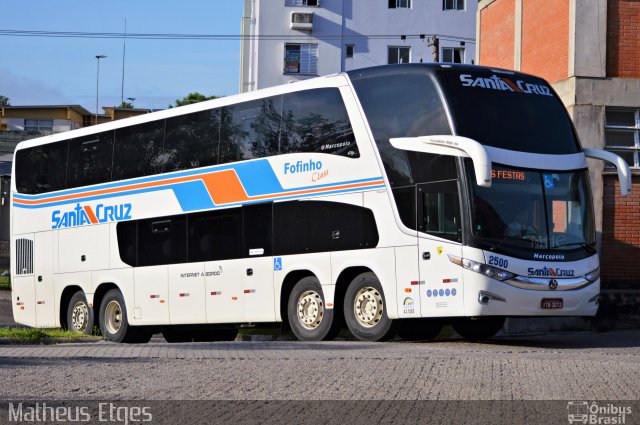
{"x":43,"y":276}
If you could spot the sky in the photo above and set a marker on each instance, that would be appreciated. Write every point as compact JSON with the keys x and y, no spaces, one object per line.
{"x":56,"y":71}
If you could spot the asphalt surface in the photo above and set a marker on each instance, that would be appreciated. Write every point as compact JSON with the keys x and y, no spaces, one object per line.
{"x":524,"y":379}
{"x":591,"y":366}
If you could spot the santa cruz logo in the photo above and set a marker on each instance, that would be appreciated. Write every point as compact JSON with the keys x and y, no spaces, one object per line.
{"x":551,"y":272}
{"x":504,"y":84}
{"x":84,"y":214}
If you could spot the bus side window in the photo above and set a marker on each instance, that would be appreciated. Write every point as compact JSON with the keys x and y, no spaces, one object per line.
{"x":42,"y":168}
{"x":90,"y":160}
{"x":439,"y":210}
{"x":251,"y":129}
{"x":128,"y":242}
{"x":191,"y":140}
{"x":138,"y":150}
{"x":215,"y":235}
{"x":317,"y":121}
{"x":162,"y":240}
{"x":258,"y":229}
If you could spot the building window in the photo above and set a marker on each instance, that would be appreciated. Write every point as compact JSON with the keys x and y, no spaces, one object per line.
{"x":399,"y":54}
{"x":301,"y":59}
{"x":301,"y":2}
{"x":453,"y":54}
{"x":399,"y":4}
{"x":622,"y":134}
{"x":38,"y":125}
{"x":349,"y":50}
{"x":452,"y":4}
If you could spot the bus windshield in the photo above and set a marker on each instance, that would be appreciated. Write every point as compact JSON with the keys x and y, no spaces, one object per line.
{"x":528,"y":211}
{"x":516,"y":112}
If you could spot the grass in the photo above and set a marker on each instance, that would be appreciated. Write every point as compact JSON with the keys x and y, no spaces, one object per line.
{"x":5,"y":283}
{"x":38,"y":336}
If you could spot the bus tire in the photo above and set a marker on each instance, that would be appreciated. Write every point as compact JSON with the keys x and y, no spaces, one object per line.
{"x":365,"y":309}
{"x":114,"y":323}
{"x":80,"y":316}
{"x":478,"y":329}
{"x":308,"y":316}
{"x":418,"y":329}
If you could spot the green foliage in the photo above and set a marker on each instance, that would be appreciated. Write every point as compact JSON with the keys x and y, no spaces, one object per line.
{"x":4,"y":101}
{"x":38,"y":336}
{"x":194,"y":97}
{"x":126,"y":105}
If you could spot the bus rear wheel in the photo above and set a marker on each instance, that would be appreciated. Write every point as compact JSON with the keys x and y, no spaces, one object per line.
{"x":79,"y":315}
{"x":418,"y":329}
{"x":309,"y":317}
{"x":114,"y":323}
{"x":365,"y":309}
{"x":478,"y":329}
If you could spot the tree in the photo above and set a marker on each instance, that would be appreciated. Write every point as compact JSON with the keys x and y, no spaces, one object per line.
{"x":126,"y":105}
{"x":4,"y":101}
{"x":194,"y":97}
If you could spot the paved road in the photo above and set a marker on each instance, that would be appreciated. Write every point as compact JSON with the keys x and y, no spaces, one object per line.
{"x":580,"y":366}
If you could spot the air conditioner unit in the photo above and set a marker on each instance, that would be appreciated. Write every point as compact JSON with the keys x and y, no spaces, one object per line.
{"x":302,"y":21}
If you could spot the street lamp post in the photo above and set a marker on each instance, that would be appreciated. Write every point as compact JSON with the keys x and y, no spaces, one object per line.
{"x":98,"y":57}
{"x":132,"y":99}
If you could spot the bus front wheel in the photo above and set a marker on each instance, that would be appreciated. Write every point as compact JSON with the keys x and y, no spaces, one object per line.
{"x":114,"y":323}
{"x":79,"y":315}
{"x":365,"y":309}
{"x":308,"y":315}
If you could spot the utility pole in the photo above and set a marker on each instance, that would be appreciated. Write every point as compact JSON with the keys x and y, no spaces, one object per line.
{"x":433,"y":41}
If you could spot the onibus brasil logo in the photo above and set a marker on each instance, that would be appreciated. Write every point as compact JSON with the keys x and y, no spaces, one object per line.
{"x":84,"y":214}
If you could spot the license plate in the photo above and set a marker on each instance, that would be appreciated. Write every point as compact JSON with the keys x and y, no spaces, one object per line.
{"x":551,"y":303}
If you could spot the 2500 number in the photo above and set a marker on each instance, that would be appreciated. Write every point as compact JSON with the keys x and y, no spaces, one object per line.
{"x":497,"y":261}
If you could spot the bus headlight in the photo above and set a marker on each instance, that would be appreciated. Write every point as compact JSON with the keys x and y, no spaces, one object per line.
{"x":592,"y":276}
{"x":489,"y":271}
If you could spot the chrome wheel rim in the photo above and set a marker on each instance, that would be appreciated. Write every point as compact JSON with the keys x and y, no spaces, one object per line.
{"x":310,"y":310}
{"x":368,"y":307}
{"x":80,"y":317}
{"x":113,"y":317}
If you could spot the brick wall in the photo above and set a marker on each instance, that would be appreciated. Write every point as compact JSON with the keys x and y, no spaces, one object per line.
{"x":497,"y":34}
{"x":545,"y":38}
{"x":623,"y":38}
{"x":620,"y":254}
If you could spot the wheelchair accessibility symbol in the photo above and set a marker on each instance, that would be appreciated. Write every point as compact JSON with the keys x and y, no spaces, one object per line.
{"x":277,"y":263}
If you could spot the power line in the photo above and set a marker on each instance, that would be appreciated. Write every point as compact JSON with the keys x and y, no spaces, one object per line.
{"x":214,"y":37}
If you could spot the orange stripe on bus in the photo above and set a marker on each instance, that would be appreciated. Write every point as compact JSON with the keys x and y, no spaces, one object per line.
{"x":90,"y":214}
{"x":225,"y":187}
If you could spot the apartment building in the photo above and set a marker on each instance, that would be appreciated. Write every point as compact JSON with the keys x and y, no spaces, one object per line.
{"x":289,"y":40}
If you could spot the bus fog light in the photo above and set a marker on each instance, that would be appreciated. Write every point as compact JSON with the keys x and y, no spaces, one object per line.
{"x":483,"y":299}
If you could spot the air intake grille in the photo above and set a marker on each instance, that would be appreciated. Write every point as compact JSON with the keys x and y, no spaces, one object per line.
{"x":24,"y":256}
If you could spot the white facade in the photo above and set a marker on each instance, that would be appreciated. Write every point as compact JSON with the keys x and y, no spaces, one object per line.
{"x":371,"y":27}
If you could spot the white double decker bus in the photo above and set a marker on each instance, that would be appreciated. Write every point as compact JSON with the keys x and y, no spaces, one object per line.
{"x":393,"y":199}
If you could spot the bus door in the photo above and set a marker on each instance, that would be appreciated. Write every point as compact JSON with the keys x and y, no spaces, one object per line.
{"x":257,"y":291}
{"x":43,"y":275}
{"x":438,"y":214}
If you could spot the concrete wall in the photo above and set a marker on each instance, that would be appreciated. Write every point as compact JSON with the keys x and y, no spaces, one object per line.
{"x":367,"y":24}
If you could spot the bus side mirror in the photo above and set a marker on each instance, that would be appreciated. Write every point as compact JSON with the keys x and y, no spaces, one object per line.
{"x":624,"y":173}
{"x":451,"y":145}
